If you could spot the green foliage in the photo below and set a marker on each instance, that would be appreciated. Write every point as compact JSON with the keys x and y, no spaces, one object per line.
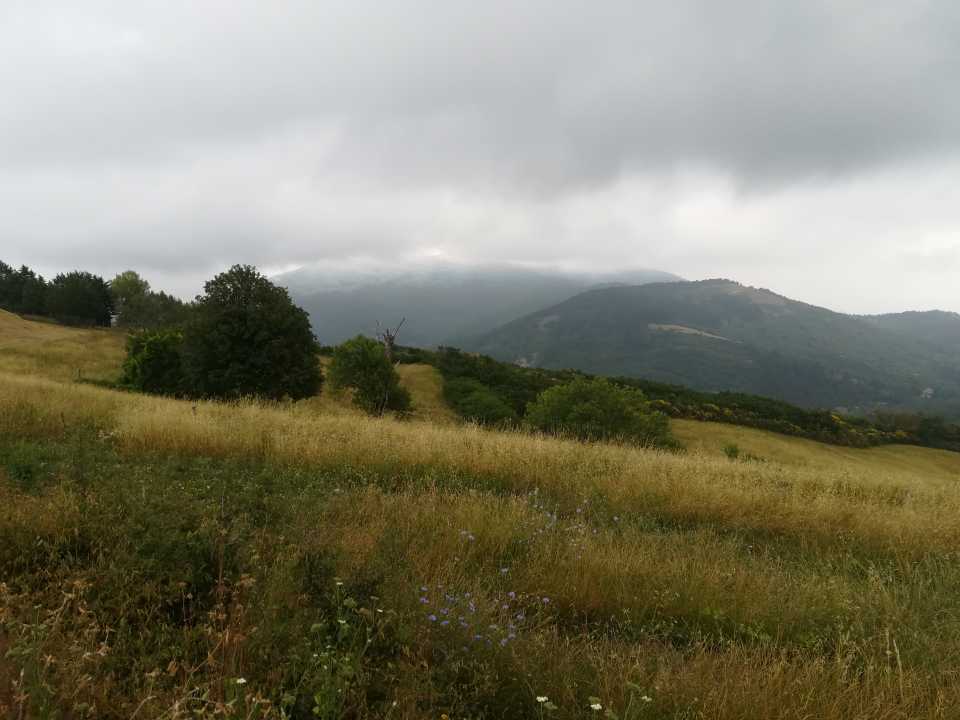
{"x":22,"y":291}
{"x":476,"y":402}
{"x":153,"y":363}
{"x":513,"y":383}
{"x":153,"y":310}
{"x":515,"y":386}
{"x":246,"y":337}
{"x":80,"y":298}
{"x":362,"y":365}
{"x":596,"y":409}
{"x":126,"y":286}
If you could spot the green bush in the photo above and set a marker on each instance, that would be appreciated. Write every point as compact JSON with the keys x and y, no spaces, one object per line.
{"x":474,"y":401}
{"x":362,"y":365}
{"x":154,"y":363}
{"x":595,"y":409}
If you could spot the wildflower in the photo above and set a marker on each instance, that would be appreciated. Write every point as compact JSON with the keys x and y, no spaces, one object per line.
{"x":542,"y":698}
{"x":432,"y":618}
{"x":444,"y":623}
{"x":511,"y":595}
{"x":339,"y":583}
{"x":424,"y":601}
{"x":504,"y":571}
{"x":546,"y":601}
{"x":423,"y":588}
{"x":646,"y":698}
{"x":241,"y":681}
{"x":596,"y":706}
{"x":503,"y":643}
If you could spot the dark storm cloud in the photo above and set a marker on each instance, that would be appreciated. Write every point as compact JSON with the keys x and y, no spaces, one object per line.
{"x":178,"y":136}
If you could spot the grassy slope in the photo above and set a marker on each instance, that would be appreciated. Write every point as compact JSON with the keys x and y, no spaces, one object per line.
{"x":902,"y":462}
{"x":152,"y":551}
{"x":54,"y":351}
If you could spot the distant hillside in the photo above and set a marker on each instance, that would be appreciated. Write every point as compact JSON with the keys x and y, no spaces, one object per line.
{"x":442,"y":303}
{"x":719,"y":335}
{"x":937,"y":328}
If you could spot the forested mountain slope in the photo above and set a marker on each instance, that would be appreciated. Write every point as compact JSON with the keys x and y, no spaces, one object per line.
{"x":720,"y":335}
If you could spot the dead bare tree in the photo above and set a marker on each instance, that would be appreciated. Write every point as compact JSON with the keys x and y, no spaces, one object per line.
{"x":389,"y":337}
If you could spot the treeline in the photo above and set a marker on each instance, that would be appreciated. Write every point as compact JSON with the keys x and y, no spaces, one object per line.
{"x":83,"y":298}
{"x":487,"y":391}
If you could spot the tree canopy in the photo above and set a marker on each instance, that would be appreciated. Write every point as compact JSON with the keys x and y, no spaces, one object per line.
{"x":246,"y":337}
{"x":126,"y":286}
{"x":81,"y":298}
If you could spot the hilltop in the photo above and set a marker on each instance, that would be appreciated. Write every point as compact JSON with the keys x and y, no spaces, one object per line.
{"x":720,"y":335}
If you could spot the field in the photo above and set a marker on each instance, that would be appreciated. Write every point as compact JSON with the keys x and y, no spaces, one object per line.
{"x":170,"y":559}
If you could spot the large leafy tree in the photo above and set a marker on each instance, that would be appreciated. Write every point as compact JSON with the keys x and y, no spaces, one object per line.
{"x":246,"y":337}
{"x":362,"y":365}
{"x":127,"y":286}
{"x":80,"y":297}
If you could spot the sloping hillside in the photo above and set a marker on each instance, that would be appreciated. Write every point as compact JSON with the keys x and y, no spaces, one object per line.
{"x":443,"y":304}
{"x":56,"y":351}
{"x":888,"y":464}
{"x":166,"y":558}
{"x":720,"y":335}
{"x":935,"y":328}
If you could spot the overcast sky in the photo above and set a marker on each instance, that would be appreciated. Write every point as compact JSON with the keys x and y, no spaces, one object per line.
{"x":809,"y":147}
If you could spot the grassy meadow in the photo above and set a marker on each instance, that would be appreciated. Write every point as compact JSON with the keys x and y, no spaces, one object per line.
{"x":174,"y":559}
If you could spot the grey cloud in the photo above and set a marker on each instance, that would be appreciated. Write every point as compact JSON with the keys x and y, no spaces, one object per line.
{"x":745,"y":138}
{"x":545,"y":93}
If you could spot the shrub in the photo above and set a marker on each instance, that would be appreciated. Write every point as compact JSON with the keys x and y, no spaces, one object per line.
{"x":595,"y":409}
{"x":362,"y":365}
{"x":474,"y":401}
{"x":154,"y":362}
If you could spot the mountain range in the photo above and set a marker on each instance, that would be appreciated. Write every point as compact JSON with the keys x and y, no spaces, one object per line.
{"x":720,"y":335}
{"x":443,"y":303}
{"x":711,"y":335}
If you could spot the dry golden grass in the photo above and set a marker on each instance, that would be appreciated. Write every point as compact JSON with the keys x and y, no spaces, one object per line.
{"x":895,"y":514}
{"x":820,"y":582}
{"x":897,"y":463}
{"x":426,"y":388}
{"x":53,"y":351}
